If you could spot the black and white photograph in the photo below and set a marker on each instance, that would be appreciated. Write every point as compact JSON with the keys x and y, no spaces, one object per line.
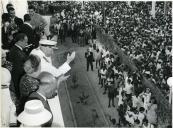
{"x":86,"y":63}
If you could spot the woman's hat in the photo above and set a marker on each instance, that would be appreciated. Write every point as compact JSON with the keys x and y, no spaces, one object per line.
{"x":34,"y":114}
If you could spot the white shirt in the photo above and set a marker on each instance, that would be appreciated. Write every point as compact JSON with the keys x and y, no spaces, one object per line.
{"x":107,"y":60}
{"x":149,"y":126}
{"x":103,"y":73}
{"x":135,"y":101}
{"x":129,"y":118}
{"x":128,"y":87}
{"x":46,"y":64}
{"x":141,"y":116}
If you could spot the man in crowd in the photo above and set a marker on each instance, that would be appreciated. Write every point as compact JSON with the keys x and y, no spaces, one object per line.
{"x":28,"y":30}
{"x":17,"y":57}
{"x":5,"y":16}
{"x":15,"y":22}
{"x":89,"y":58}
{"x":45,"y":51}
{"x":37,"y":20}
{"x":11,"y":24}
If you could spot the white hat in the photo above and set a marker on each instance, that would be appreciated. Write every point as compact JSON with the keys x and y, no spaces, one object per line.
{"x":34,"y":114}
{"x":45,"y":42}
{"x":6,"y":76}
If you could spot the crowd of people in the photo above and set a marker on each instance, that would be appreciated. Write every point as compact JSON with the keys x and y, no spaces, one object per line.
{"x":137,"y":107}
{"x":146,"y":40}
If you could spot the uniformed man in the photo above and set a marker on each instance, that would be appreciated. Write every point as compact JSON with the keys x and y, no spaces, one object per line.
{"x":45,"y":51}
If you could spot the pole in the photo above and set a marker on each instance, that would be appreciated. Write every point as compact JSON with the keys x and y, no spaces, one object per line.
{"x":103,"y":8}
{"x":170,"y":95}
{"x":153,"y":11}
{"x":165,"y":8}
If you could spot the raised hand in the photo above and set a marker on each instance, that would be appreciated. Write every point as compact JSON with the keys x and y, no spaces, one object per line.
{"x":71,"y":57}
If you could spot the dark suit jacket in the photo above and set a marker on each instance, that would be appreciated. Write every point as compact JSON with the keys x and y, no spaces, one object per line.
{"x":35,"y":95}
{"x":17,"y":57}
{"x":25,"y":28}
{"x":6,"y":17}
{"x":18,"y":21}
{"x":89,"y":56}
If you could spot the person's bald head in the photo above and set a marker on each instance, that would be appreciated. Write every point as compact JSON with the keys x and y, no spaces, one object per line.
{"x":47,"y":85}
{"x":46,"y":77}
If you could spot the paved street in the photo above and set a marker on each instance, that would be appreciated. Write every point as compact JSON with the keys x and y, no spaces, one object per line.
{"x":75,"y":113}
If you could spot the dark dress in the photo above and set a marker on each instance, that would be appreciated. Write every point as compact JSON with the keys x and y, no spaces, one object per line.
{"x":27,"y":85}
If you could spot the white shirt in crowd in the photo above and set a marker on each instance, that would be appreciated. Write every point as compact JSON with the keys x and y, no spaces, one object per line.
{"x":146,"y":97}
{"x":107,"y":60}
{"x":128,"y":87}
{"x":149,"y":126}
{"x":141,"y":116}
{"x":135,"y":101}
{"x":130,"y":117}
{"x":103,"y":73}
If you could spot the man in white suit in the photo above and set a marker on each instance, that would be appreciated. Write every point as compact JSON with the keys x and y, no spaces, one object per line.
{"x":44,"y":51}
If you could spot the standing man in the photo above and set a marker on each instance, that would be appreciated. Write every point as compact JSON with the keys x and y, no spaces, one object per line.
{"x":28,"y":30}
{"x":17,"y":57}
{"x":45,"y":51}
{"x":5,"y":16}
{"x":89,"y":58}
{"x":15,"y":22}
{"x":37,"y":20}
{"x":10,"y":28}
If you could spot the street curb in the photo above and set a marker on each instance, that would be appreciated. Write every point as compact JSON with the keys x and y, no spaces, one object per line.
{"x":96,"y":97}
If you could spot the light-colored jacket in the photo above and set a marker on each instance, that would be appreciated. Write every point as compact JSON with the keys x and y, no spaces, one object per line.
{"x":37,"y":20}
{"x":46,"y":64}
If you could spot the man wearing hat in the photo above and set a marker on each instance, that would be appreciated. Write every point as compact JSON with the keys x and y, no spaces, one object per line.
{"x":44,"y":51}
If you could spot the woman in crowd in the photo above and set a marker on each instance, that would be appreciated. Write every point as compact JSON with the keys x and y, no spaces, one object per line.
{"x":29,"y":82}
